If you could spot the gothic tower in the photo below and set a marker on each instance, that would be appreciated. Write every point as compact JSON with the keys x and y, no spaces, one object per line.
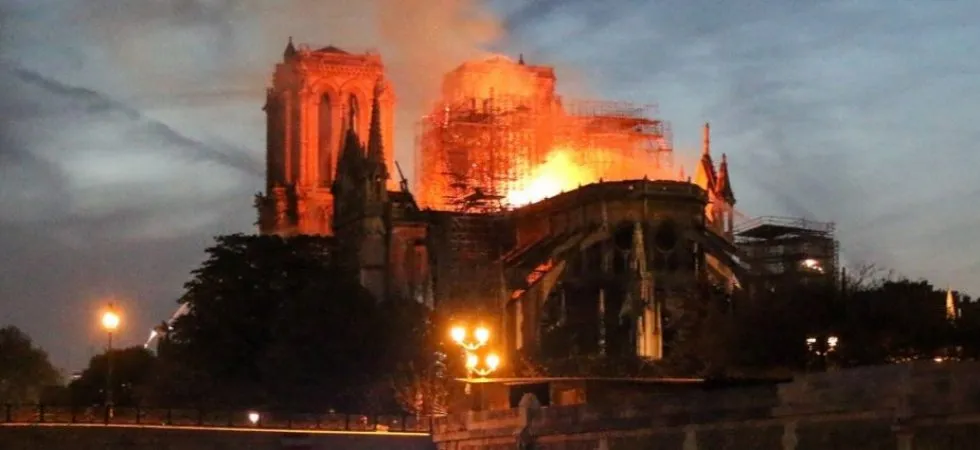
{"x":315,"y":98}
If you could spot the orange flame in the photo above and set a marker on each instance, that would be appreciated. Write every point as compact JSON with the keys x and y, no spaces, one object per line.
{"x":565,"y":169}
{"x":559,"y":173}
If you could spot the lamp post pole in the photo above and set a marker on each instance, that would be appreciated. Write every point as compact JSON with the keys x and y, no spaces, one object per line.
{"x":110,"y":322}
{"x":108,"y":375}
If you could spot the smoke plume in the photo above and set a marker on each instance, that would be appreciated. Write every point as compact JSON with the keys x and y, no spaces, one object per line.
{"x":201,"y":46}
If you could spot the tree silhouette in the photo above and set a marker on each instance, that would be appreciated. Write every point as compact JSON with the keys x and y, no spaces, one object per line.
{"x":282,"y":323}
{"x":25,"y":370}
{"x":132,"y":368}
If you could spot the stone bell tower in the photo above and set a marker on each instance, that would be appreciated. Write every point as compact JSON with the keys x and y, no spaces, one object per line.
{"x":316,"y":96}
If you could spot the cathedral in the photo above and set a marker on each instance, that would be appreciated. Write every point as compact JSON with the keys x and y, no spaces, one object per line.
{"x":606,"y":258}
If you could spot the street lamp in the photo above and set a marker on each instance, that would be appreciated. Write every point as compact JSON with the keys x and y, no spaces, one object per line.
{"x":481,"y":334}
{"x":480,"y":338}
{"x":490,"y":364}
{"x":821,"y":349}
{"x":110,"y":322}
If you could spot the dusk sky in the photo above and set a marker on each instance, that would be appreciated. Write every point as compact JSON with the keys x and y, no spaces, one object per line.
{"x":132,"y":131}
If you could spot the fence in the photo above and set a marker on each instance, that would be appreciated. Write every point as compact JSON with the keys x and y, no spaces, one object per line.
{"x":252,"y":419}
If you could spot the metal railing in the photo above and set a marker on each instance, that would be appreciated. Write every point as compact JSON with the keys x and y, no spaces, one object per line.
{"x":246,"y":419}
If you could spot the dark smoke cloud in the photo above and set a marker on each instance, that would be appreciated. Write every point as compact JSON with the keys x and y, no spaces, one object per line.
{"x":241,"y":39}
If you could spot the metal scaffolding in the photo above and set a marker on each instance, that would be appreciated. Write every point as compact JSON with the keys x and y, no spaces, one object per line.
{"x":472,"y":152}
{"x":789,"y":248}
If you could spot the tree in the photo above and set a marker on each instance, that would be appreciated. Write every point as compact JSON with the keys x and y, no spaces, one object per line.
{"x":283,"y":323}
{"x":772,"y":327}
{"x":894,"y":321}
{"x":876,"y":318}
{"x":132,"y":369}
{"x":423,"y":362}
{"x":25,"y":370}
{"x":699,"y":334}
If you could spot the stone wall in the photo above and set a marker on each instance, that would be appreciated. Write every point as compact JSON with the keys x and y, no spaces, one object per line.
{"x":915,"y":406}
{"x":922,"y":406}
{"x":101,"y":437}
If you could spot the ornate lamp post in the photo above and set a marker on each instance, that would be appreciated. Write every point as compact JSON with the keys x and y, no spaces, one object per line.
{"x":110,"y":322}
{"x":474,"y":368}
{"x":490,"y":364}
{"x":480,"y":334}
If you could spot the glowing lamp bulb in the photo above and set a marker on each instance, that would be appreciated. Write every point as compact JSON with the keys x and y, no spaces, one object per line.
{"x":110,"y":320}
{"x":253,"y":417}
{"x":458,"y":334}
{"x":832,"y":341}
{"x":493,"y":361}
{"x":471,"y":361}
{"x":482,"y":335}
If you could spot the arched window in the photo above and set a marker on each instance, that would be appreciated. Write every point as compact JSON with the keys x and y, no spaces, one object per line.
{"x":666,"y":237}
{"x":325,"y":139}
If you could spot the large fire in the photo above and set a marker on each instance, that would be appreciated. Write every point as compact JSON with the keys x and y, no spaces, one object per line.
{"x":501,"y":129}
{"x":564,"y":170}
{"x":559,"y":173}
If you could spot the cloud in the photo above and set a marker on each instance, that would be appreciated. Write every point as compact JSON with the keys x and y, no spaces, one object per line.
{"x":30,"y":186}
{"x":86,"y":101}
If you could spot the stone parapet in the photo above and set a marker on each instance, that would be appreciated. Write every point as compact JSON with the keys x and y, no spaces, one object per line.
{"x":920,"y":388}
{"x":911,"y":406}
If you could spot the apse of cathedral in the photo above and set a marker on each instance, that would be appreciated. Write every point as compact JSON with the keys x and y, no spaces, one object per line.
{"x":598,"y":267}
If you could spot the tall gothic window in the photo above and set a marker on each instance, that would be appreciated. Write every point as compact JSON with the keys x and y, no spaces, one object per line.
{"x":275,"y":172}
{"x":354,"y":111}
{"x":325,"y":139}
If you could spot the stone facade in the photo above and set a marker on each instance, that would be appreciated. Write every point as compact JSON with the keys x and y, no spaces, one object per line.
{"x":902,"y":407}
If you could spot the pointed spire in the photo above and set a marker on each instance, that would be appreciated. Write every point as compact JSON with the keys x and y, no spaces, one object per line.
{"x":375,"y":151}
{"x":520,"y":59}
{"x":724,"y":181}
{"x":351,"y":159}
{"x":639,"y":253}
{"x":290,"y":51}
{"x":705,"y":175}
{"x":951,"y":313}
{"x":706,"y":139}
